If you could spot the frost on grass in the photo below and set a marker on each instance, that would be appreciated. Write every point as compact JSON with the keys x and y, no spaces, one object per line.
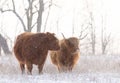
{"x":90,"y":69}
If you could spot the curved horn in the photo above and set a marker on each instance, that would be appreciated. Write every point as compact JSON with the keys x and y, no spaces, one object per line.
{"x":63,"y":35}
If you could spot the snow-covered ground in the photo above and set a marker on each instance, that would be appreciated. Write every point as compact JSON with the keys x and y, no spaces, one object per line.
{"x":90,"y":69}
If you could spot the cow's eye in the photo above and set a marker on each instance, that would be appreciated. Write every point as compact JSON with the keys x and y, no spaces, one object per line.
{"x":72,"y":45}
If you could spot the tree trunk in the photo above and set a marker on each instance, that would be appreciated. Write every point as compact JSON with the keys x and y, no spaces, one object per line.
{"x":0,"y":49}
{"x":40,"y":12}
{"x":4,"y":45}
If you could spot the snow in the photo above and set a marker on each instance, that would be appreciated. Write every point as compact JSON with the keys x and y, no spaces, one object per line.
{"x":90,"y":69}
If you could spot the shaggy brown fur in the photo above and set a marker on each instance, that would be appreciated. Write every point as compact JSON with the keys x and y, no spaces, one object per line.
{"x":32,"y":48}
{"x":68,"y":55}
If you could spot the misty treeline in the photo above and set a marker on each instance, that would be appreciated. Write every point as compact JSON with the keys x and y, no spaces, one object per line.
{"x":31,"y":14}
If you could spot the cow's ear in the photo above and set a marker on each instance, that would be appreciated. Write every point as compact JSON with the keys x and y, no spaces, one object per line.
{"x":50,"y":36}
{"x":68,"y":43}
{"x":48,"y":33}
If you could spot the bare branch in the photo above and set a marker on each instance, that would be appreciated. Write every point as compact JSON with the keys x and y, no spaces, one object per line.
{"x":47,"y":15}
{"x":46,"y":19}
{"x":3,"y":2}
{"x":35,"y":12}
{"x":52,"y":4}
{"x":82,"y":31}
{"x":81,"y":38}
{"x":3,"y":11}
{"x":56,"y":5}
{"x":14,"y":12}
{"x":34,"y":24}
{"x":13,"y":5}
{"x":21,"y":20}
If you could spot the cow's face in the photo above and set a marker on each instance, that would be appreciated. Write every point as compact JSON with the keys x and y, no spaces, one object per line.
{"x":72,"y":44}
{"x":53,"y":42}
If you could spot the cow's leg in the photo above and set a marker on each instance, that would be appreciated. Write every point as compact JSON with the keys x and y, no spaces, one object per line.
{"x":59,"y":69}
{"x":22,"y":66}
{"x":40,"y":68}
{"x":29,"y":68}
{"x":41,"y":64}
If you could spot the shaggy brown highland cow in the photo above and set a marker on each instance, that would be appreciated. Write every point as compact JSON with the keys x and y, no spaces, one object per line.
{"x":32,"y":48}
{"x":68,"y":55}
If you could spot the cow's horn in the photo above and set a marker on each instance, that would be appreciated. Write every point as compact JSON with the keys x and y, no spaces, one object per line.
{"x":63,"y":35}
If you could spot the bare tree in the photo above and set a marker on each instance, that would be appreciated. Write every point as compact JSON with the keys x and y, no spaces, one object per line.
{"x":29,"y":14}
{"x":83,"y":33}
{"x":92,"y":28}
{"x":93,"y":37}
{"x":34,"y":9}
{"x":105,"y":38}
{"x":50,"y":4}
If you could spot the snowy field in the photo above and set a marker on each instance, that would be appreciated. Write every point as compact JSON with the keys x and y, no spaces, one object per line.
{"x":90,"y":69}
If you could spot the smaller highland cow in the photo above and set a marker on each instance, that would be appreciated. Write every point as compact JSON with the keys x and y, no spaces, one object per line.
{"x":68,"y":55}
{"x":32,"y":48}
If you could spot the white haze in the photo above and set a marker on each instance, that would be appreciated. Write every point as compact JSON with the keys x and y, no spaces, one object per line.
{"x":68,"y":12}
{"x":90,"y":69}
